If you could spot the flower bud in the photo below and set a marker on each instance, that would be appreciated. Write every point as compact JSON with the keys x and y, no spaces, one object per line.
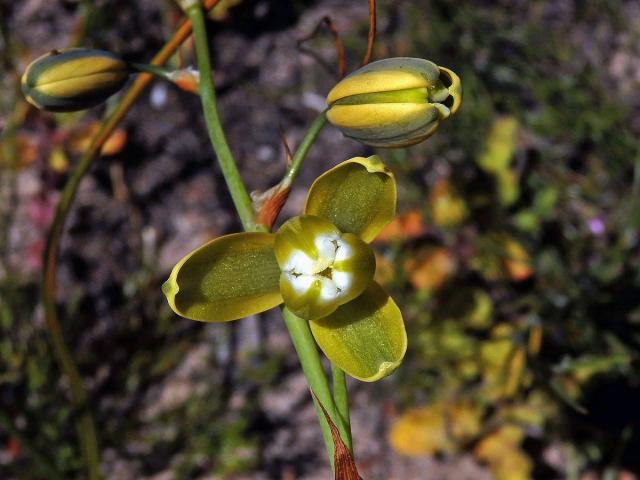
{"x":395,"y":102}
{"x":73,"y":79}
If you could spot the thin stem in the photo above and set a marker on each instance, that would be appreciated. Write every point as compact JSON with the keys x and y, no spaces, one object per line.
{"x":152,"y":69}
{"x":308,"y":140}
{"x":341,"y":397}
{"x":342,"y":68}
{"x":238,"y":192}
{"x":85,"y":425}
{"x":298,"y":328}
{"x":312,"y":367}
{"x":371,"y":36}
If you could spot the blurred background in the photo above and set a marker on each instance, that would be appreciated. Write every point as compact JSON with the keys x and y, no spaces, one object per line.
{"x":514,"y":257}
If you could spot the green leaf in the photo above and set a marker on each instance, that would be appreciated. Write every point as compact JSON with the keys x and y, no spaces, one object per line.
{"x":228,"y":278}
{"x":365,"y":337}
{"x":358,"y":196}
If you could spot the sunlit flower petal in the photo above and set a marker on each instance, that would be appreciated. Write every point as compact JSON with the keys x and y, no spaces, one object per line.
{"x":358,"y":196}
{"x":228,"y":278}
{"x":365,"y":337}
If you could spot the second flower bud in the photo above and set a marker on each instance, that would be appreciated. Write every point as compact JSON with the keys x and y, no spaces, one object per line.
{"x":394,"y":102}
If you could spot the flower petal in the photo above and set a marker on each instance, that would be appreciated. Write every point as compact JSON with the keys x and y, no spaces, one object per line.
{"x":358,"y":196}
{"x":228,"y":278}
{"x":305,"y":242}
{"x":386,"y":75}
{"x":455,"y":87}
{"x":366,"y":337}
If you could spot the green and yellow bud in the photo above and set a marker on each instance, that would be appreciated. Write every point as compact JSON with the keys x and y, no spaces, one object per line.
{"x":395,"y":102}
{"x":73,"y":79}
{"x":322,"y":268}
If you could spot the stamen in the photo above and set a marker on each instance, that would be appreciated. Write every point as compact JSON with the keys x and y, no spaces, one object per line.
{"x":343,"y":251}
{"x":326,"y":273}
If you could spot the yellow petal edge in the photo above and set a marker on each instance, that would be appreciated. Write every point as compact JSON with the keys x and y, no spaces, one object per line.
{"x":366,"y":337}
{"x":358,"y":196}
{"x":228,"y":278}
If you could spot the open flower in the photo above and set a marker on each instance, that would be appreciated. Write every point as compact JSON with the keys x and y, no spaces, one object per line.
{"x":319,"y":265}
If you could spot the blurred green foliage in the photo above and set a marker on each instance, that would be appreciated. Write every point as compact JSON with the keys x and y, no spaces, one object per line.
{"x":547,"y":261}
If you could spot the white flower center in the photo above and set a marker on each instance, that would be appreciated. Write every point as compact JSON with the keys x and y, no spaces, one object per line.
{"x":303,"y":271}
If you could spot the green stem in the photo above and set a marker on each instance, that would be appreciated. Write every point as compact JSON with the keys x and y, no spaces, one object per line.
{"x":308,"y":140}
{"x":85,"y":424}
{"x":238,"y":192}
{"x":152,"y":69}
{"x":298,"y":328}
{"x":312,"y":367}
{"x":341,"y":397}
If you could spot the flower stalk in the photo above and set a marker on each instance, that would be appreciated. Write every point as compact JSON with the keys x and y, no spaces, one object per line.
{"x":298,"y":328}
{"x":239,"y":195}
{"x":308,"y":140}
{"x":85,"y":423}
{"x":341,"y":398}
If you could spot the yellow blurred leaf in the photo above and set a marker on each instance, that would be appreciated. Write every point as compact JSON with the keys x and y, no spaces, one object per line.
{"x":420,"y":431}
{"x":500,"y":256}
{"x":493,"y":356}
{"x":534,"y":342}
{"x":467,"y":369}
{"x":80,"y":138}
{"x":430,"y":268}
{"x":516,"y":260}
{"x":501,"y":450}
{"x":26,"y":150}
{"x":502,"y":364}
{"x":404,"y":226}
{"x":500,"y":145}
{"x":447,"y":208}
{"x":464,"y":421}
{"x":115,"y":143}
{"x":471,"y":307}
{"x":533,"y":412}
{"x":515,"y":465}
{"x":221,"y":10}
{"x":515,"y":369}
{"x":58,"y":160}
{"x":437,"y":428}
{"x":492,"y":446}
{"x":507,"y":186}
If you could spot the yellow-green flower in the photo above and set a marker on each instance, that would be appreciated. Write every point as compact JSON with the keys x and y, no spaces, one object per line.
{"x":73,"y":79}
{"x":394,"y":102}
{"x":319,"y":264}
